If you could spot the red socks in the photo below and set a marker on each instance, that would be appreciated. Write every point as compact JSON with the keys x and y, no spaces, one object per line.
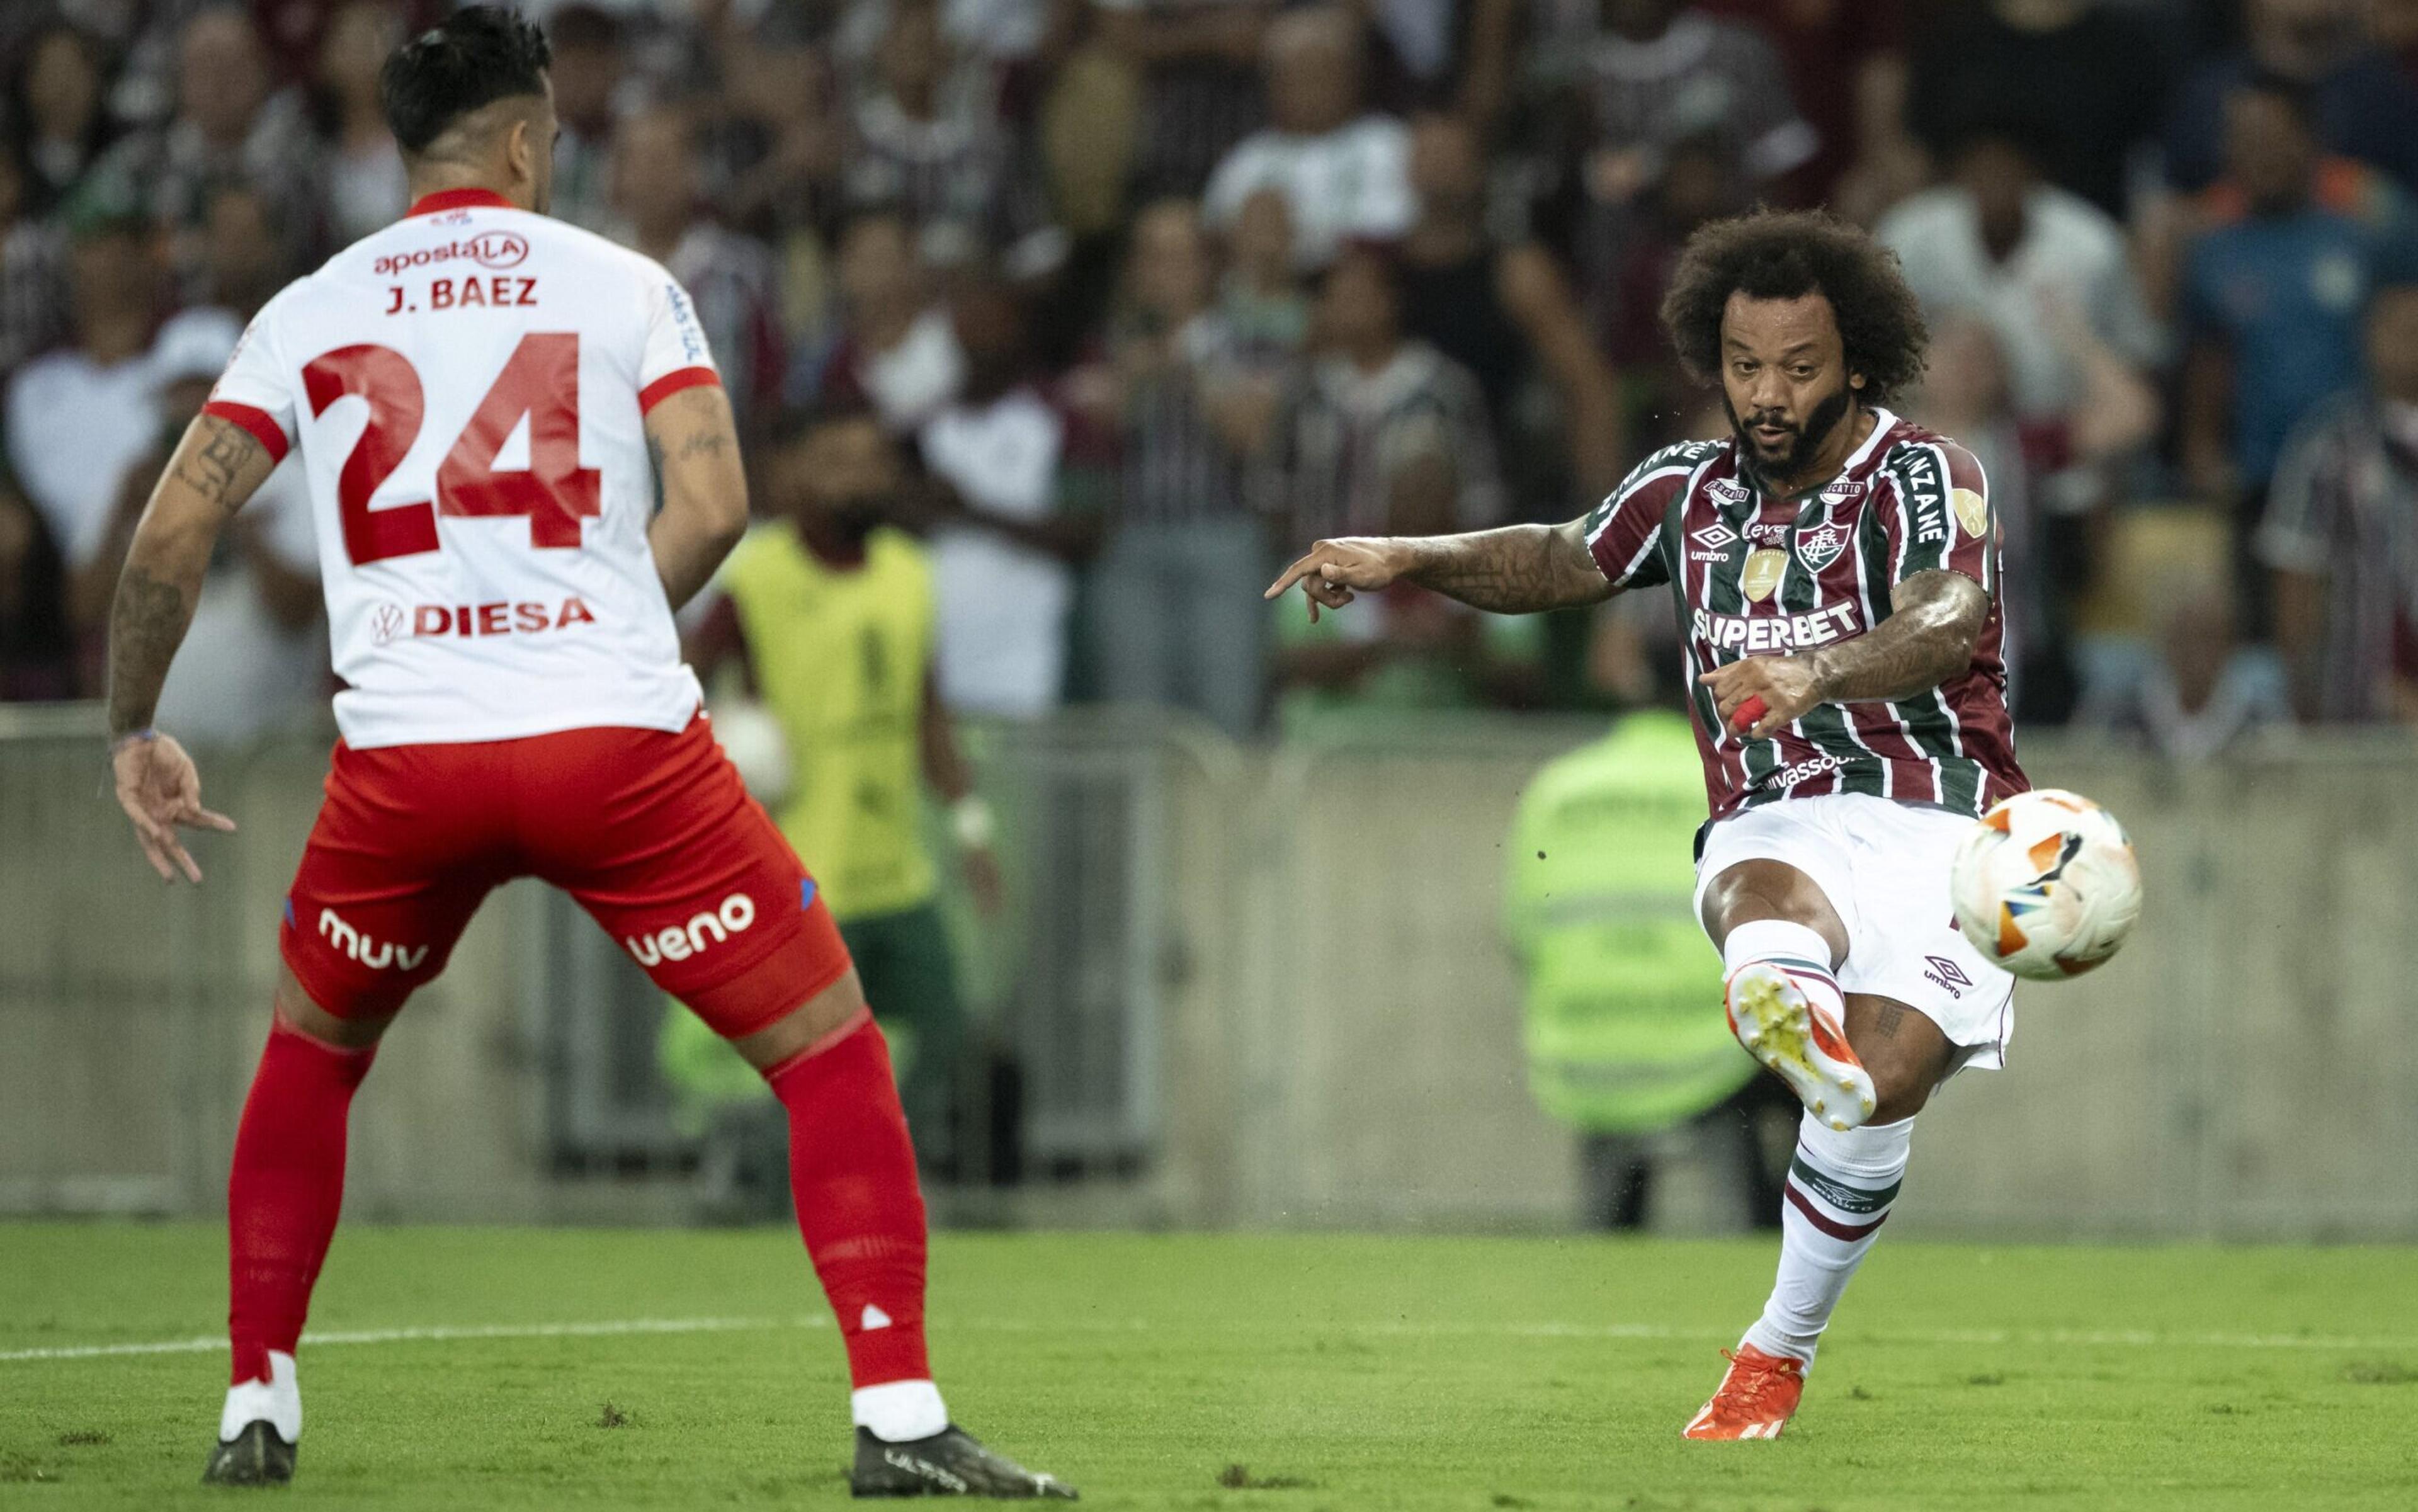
{"x":853,"y":1172}
{"x":284,"y":1192}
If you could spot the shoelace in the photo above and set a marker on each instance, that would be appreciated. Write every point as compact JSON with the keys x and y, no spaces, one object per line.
{"x":1757,"y":1378}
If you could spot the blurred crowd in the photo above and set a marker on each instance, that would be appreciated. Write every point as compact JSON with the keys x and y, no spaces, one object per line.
{"x":1142,"y":292}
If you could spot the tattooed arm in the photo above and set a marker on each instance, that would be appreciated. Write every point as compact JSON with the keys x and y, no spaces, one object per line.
{"x":694,"y":444}
{"x":1936,"y":617}
{"x":1519,"y":569}
{"x":216,"y":467}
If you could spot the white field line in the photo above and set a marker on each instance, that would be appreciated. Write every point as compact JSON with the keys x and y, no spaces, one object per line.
{"x":2080,"y":1338}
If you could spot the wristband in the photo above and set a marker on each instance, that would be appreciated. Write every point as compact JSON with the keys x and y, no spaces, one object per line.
{"x":121,"y":743}
{"x":971,"y":821}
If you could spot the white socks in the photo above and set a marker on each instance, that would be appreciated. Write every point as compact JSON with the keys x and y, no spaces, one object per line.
{"x":1803,"y":951}
{"x":897,"y":1411}
{"x":1840,"y":1189}
{"x":277,"y":1401}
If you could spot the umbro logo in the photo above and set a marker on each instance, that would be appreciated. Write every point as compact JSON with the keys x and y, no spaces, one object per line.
{"x":1714,"y":537}
{"x":1946,"y":974}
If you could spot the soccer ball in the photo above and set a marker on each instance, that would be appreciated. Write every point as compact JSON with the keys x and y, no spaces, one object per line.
{"x":2045,"y":885}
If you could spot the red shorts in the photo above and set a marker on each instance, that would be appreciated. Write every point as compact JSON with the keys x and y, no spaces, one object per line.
{"x":651,"y":833}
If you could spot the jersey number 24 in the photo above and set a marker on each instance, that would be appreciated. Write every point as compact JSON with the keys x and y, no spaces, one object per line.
{"x":539,"y":380}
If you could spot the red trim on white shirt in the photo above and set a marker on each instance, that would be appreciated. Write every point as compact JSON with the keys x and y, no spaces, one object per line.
{"x":262,"y":425}
{"x":458,"y":199}
{"x":672,"y":383}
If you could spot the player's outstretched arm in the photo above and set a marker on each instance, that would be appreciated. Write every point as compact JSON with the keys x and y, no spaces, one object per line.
{"x":216,"y":467}
{"x":1935,"y":620}
{"x":1519,"y":569}
{"x":694,"y":444}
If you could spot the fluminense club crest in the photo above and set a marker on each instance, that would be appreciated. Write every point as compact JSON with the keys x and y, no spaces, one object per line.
{"x":1819,"y":546}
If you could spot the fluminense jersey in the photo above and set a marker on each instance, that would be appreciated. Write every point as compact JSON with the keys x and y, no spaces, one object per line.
{"x":466,"y":389}
{"x":1760,"y":576}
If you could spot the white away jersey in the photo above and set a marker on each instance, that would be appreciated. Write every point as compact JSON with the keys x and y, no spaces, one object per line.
{"x":467,"y":389}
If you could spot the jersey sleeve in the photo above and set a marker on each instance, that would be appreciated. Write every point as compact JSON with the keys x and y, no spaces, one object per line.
{"x":1624,"y":533}
{"x":676,"y":355}
{"x":255,"y":391}
{"x":1939,"y":517}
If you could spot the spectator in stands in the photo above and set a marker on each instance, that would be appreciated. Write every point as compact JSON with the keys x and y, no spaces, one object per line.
{"x":33,"y":279}
{"x":1344,"y":173}
{"x":1388,"y":436}
{"x":2087,"y":73}
{"x":777,"y":150}
{"x":867,"y":733}
{"x":1378,"y":417}
{"x":231,"y":122}
{"x":365,"y":187}
{"x":2272,"y":293}
{"x":1176,"y":591}
{"x":1006,"y":529}
{"x":2341,"y":535}
{"x":926,"y":139}
{"x":2203,"y":690}
{"x":37,"y":650}
{"x":2050,"y":476}
{"x":1504,"y":312}
{"x":1199,"y":64}
{"x":1995,"y":243}
{"x":1847,"y":73}
{"x":56,"y":101}
{"x":729,"y":277}
{"x":78,"y":416}
{"x":1702,"y":181}
{"x":1660,"y":72}
{"x":2364,"y":106}
{"x":1640,"y":85}
{"x":591,"y":73}
{"x":1260,"y":298}
{"x":242,"y":255}
{"x":894,"y":349}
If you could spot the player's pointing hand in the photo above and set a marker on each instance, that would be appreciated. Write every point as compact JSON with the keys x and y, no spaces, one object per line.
{"x":1333,"y":569}
{"x":161,"y":789}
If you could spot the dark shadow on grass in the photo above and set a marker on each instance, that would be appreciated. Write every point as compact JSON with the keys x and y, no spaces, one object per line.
{"x":1238,"y":1477}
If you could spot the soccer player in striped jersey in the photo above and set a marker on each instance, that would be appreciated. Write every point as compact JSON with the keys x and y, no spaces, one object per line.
{"x":1836,"y":571}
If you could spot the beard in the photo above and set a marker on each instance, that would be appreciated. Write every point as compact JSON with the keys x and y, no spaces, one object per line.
{"x":1803,"y":440}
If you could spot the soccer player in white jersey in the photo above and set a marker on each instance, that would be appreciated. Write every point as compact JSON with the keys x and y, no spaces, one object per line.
{"x":486,"y":403}
{"x":1836,"y":567}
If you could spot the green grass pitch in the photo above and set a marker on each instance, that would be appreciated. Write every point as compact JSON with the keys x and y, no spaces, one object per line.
{"x":1276,"y":1373}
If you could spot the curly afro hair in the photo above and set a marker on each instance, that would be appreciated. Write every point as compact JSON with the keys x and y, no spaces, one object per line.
{"x":1773,"y":254}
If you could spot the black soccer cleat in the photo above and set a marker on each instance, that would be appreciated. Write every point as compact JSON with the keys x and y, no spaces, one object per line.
{"x":257,"y":1456}
{"x":951,"y":1462}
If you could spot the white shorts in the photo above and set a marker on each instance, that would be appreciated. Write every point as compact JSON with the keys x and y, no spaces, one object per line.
{"x":1884,"y":866}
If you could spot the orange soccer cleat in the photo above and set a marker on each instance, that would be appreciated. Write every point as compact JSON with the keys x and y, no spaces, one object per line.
{"x":1756,"y":1398}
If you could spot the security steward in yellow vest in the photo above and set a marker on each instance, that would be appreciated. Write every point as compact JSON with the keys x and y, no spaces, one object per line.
{"x":828,"y":608}
{"x":1623,"y":1028}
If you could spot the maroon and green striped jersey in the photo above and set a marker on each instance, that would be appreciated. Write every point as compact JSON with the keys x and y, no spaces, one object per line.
{"x":1757,"y":575}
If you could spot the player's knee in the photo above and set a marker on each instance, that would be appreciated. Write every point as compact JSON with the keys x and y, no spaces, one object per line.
{"x":822,"y":1015}
{"x":1765,"y":889}
{"x":296,"y":1010}
{"x":1898,"y":1096}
